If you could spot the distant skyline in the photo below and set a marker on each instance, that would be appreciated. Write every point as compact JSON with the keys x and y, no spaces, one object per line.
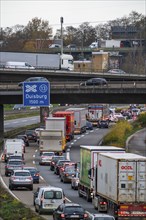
{"x":13,"y":12}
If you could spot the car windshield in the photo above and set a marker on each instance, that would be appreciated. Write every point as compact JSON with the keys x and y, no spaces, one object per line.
{"x":31,"y":170}
{"x":53,"y":195}
{"x":22,"y":174}
{"x":48,"y":154}
{"x":15,"y":163}
{"x":76,"y":209}
{"x":70,"y":169}
{"x":103,"y":218}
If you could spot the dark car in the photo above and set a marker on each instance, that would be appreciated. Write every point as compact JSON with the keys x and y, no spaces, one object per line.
{"x":67,"y":211}
{"x":94,"y":82}
{"x":54,"y":161}
{"x":89,"y":125}
{"x":58,"y":165}
{"x":13,"y":164}
{"x":34,"y":173}
{"x":33,"y":79}
{"x":67,"y":174}
{"x":103,"y":124}
{"x":31,"y":135}
{"x":24,"y":138}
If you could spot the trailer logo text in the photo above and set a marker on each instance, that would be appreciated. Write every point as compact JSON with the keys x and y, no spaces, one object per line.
{"x":126,"y":168}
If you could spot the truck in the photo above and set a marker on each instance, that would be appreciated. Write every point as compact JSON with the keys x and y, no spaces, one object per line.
{"x":88,"y":161}
{"x":121,"y":182}
{"x":111,"y":43}
{"x":79,"y":119}
{"x":51,"y":141}
{"x":69,"y":122}
{"x":13,"y":146}
{"x":97,"y":112}
{"x":39,"y":60}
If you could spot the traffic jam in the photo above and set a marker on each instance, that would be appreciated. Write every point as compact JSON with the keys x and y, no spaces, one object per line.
{"x":92,"y":176}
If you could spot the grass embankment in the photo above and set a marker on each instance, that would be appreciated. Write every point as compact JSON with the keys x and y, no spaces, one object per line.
{"x":122,"y":130}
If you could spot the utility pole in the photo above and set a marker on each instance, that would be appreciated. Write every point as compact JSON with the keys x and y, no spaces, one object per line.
{"x":61,"y":20}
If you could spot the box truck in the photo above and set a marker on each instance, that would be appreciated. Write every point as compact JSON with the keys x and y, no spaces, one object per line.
{"x":13,"y":146}
{"x":88,"y":161}
{"x":69,"y":122}
{"x":121,"y":182}
{"x":52,"y":140}
{"x":79,"y":119}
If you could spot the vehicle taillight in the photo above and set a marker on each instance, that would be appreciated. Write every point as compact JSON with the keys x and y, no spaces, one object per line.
{"x":36,"y":174}
{"x":62,"y":215}
{"x":85,"y":215}
{"x":103,"y":203}
{"x":66,"y":174}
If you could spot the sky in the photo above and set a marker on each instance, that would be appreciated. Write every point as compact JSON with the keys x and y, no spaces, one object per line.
{"x":74,"y":13}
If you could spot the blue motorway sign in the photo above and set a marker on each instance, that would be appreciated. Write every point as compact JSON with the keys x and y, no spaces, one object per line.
{"x":36,"y":93}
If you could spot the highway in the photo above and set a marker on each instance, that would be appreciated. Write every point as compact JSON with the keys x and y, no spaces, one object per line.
{"x":136,"y":145}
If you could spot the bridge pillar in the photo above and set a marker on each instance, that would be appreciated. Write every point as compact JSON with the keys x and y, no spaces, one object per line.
{"x":1,"y":122}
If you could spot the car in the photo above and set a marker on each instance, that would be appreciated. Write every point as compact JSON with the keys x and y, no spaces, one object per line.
{"x":46,"y":157}
{"x":33,"y":79}
{"x":58,"y":165}
{"x":117,"y":71}
{"x":17,"y":157}
{"x":100,"y":217}
{"x":94,"y":82}
{"x":20,"y":178}
{"x":13,"y":164}
{"x":103,"y":124}
{"x":75,"y":181}
{"x":34,"y":173}
{"x":54,"y":161}
{"x":31,"y":135}
{"x":67,"y":174}
{"x":69,"y":211}
{"x":65,"y":164}
{"x":89,"y":125}
{"x":71,"y":46}
{"x":24,"y":138}
{"x":37,"y":131}
{"x":55,"y":46}
{"x":19,"y":107}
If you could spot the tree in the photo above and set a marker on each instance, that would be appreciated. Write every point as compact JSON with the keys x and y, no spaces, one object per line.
{"x":39,"y":31}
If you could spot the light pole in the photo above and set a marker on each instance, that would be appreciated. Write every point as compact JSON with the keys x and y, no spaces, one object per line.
{"x":61,"y":20}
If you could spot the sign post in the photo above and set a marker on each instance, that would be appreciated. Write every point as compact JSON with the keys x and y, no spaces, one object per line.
{"x":36,"y":93}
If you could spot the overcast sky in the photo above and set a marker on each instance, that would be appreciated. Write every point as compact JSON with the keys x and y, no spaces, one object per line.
{"x":13,"y":12}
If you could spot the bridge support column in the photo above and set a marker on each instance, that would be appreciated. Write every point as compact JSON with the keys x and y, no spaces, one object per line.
{"x":1,"y":122}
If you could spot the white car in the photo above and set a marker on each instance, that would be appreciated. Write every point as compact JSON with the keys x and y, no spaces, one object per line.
{"x":117,"y":71}
{"x":55,"y":46}
{"x":101,"y":217}
{"x":46,"y":158}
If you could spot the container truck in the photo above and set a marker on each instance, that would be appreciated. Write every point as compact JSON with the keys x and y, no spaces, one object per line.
{"x":13,"y":146}
{"x":97,"y":112}
{"x":39,"y":60}
{"x":52,"y":140}
{"x":121,"y":182}
{"x":88,"y":161}
{"x":79,"y":119}
{"x":69,"y":123}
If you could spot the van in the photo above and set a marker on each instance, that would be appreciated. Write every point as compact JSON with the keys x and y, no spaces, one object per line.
{"x":48,"y":199}
{"x":18,"y":65}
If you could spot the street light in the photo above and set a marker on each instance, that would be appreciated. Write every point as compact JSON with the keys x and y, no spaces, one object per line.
{"x":61,"y":21}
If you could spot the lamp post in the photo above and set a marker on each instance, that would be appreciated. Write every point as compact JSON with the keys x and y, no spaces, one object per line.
{"x":61,"y":21}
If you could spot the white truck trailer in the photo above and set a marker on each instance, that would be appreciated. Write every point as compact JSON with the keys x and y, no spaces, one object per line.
{"x":13,"y":146}
{"x":88,"y":161}
{"x":52,"y":140}
{"x":121,"y":182}
{"x":79,"y":119}
{"x":39,"y":60}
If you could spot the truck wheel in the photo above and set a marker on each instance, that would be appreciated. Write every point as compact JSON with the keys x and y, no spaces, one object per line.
{"x":39,"y":211}
{"x":80,"y":195}
{"x":36,"y":209}
{"x":88,"y":198}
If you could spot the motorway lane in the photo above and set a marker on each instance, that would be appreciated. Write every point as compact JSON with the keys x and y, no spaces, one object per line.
{"x":19,"y":122}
